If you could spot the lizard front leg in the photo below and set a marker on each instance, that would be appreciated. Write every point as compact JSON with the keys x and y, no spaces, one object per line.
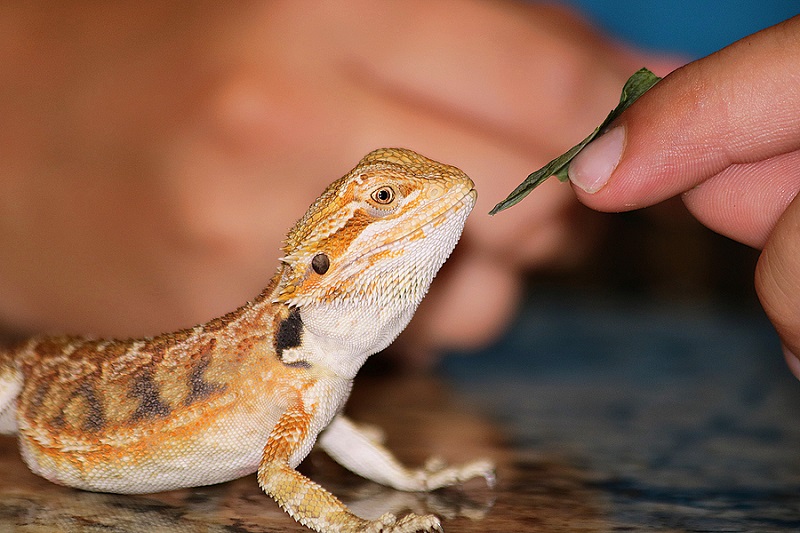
{"x":10,"y":387}
{"x":361,"y":452}
{"x":309,"y":503}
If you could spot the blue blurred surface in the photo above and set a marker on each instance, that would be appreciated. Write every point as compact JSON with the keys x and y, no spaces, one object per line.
{"x":683,"y":415}
{"x":693,"y":28}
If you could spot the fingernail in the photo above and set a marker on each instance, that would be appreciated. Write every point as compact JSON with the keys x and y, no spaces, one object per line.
{"x":792,"y":362}
{"x":592,"y":167}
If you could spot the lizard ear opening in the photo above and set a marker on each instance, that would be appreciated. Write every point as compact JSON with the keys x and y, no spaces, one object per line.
{"x":320,"y":263}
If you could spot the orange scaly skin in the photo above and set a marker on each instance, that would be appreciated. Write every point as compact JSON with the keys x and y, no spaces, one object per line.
{"x":253,"y":390}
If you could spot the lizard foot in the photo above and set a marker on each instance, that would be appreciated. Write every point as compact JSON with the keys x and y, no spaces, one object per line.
{"x":437,"y":474}
{"x":411,"y":523}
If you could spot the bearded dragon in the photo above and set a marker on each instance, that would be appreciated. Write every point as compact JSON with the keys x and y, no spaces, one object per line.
{"x":252,"y":391}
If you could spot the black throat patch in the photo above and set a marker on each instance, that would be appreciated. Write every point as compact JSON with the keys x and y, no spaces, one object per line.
{"x":290,"y":335}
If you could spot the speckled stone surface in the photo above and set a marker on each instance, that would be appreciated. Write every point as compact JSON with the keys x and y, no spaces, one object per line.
{"x":677,"y":417}
{"x":602,"y":415}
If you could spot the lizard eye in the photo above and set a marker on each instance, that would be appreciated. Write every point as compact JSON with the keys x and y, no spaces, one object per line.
{"x":384,"y":195}
{"x":320,"y":263}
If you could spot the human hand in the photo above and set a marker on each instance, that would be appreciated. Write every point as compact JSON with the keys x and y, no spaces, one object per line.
{"x":154,"y":155}
{"x":724,"y":132}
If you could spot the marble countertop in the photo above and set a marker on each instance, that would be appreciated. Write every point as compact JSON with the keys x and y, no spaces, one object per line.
{"x":602,"y":415}
{"x":675,"y":417}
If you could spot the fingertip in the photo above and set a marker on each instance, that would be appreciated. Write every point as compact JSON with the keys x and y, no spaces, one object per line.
{"x":591,"y":169}
{"x":792,"y":361}
{"x":777,"y":282}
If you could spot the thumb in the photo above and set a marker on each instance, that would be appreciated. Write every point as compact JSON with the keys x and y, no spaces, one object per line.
{"x":736,"y":106}
{"x":778,"y":282}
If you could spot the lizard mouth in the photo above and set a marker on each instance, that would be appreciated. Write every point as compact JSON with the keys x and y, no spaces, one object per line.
{"x":465,"y":201}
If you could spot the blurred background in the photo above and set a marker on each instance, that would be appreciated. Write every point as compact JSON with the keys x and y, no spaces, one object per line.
{"x":153,"y":154}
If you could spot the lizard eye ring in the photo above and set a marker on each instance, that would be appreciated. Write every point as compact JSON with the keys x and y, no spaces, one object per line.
{"x":383,"y":195}
{"x":320,"y":263}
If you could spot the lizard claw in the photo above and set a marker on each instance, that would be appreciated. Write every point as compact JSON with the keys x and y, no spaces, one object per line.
{"x":437,"y":474}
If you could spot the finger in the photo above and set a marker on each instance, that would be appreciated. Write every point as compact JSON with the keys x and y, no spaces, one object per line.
{"x":793,"y":362}
{"x":744,"y":201}
{"x":737,"y":106}
{"x":778,"y":279}
{"x":532,"y":81}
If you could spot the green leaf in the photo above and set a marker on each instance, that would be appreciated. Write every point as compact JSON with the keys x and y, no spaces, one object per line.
{"x":636,"y":86}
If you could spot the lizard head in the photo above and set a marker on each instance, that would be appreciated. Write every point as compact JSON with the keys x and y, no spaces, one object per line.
{"x":368,"y":248}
